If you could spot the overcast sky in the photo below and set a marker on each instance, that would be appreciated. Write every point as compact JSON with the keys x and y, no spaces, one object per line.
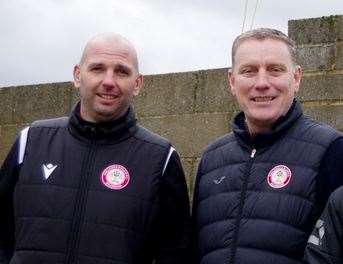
{"x":41,"y":40}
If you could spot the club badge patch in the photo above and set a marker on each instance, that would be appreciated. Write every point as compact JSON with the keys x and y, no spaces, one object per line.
{"x":115,"y":177}
{"x":279,"y":176}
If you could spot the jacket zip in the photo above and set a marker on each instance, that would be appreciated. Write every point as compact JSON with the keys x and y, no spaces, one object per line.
{"x":241,"y":205}
{"x":86,"y":172}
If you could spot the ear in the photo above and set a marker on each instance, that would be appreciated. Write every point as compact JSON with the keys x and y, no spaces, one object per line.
{"x":76,"y":75}
{"x":138,"y":84}
{"x":297,"y":77}
{"x":231,"y":81}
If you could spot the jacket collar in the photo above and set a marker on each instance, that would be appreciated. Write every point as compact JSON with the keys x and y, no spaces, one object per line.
{"x":112,"y":131}
{"x":281,"y":126}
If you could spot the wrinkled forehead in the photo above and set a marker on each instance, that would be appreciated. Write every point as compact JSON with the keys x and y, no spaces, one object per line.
{"x":262,"y":49}
{"x":109,"y":49}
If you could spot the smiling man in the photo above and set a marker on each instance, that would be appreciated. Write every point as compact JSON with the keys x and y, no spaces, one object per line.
{"x":260,"y":189}
{"x":107,"y":78}
{"x":95,"y":187}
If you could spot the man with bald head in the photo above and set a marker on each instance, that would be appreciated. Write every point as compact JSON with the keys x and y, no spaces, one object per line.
{"x":95,"y":187}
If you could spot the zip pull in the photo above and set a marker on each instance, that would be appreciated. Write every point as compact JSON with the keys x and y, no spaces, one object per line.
{"x":253,"y":152}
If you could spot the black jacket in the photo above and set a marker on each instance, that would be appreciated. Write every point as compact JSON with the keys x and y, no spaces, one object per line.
{"x":256,"y":199}
{"x":325,"y":245}
{"x":93,"y":193}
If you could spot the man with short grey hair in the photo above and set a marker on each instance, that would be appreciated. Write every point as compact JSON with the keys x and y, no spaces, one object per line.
{"x":260,"y":189}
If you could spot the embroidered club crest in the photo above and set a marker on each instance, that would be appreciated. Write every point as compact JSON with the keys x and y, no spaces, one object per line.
{"x":115,"y":177}
{"x":279,"y":176}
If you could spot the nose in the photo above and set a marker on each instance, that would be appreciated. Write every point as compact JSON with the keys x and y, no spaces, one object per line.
{"x":109,"y":80}
{"x":262,"y":81}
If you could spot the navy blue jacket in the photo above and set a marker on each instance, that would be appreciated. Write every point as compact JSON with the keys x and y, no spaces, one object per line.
{"x":256,"y":199}
{"x":108,"y":193}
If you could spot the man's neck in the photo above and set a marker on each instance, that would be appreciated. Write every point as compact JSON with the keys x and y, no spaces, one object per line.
{"x":255,"y":129}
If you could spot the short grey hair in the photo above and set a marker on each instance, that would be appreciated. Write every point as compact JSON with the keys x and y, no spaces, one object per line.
{"x":262,"y":34}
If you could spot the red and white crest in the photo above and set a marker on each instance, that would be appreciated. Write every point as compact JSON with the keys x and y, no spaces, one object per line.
{"x":115,"y":177}
{"x":279,"y":176}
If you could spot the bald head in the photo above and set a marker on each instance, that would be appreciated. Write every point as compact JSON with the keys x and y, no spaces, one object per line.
{"x":107,"y":78}
{"x":110,"y":40}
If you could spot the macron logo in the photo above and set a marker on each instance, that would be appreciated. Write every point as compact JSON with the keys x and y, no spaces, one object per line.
{"x":48,"y":169}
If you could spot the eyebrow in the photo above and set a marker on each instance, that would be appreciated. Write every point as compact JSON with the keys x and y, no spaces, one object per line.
{"x":253,"y":65}
{"x":94,"y":64}
{"x":244,"y":66}
{"x":282,"y":65}
{"x":116,"y":66}
{"x":123,"y":67}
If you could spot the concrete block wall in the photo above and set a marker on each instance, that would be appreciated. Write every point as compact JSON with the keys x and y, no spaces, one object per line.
{"x":190,"y":109}
{"x":23,"y":104}
{"x":193,"y":108}
{"x":320,"y":52}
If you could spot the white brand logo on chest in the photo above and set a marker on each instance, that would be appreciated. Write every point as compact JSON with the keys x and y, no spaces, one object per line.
{"x":48,"y":169}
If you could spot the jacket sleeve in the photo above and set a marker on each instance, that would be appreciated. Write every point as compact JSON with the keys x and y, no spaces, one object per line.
{"x":8,"y":176}
{"x":325,"y":245}
{"x":330,"y":174}
{"x":174,"y":215}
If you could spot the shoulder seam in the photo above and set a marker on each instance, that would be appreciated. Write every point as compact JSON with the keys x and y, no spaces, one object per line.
{"x":212,"y":147}
{"x":51,"y":123}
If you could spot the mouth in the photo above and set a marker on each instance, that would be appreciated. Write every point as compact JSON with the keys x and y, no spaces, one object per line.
{"x":263,"y":99}
{"x":108,"y":96}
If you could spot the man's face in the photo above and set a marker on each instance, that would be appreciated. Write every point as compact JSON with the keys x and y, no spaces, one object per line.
{"x":107,"y":81}
{"x":264,"y":81}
